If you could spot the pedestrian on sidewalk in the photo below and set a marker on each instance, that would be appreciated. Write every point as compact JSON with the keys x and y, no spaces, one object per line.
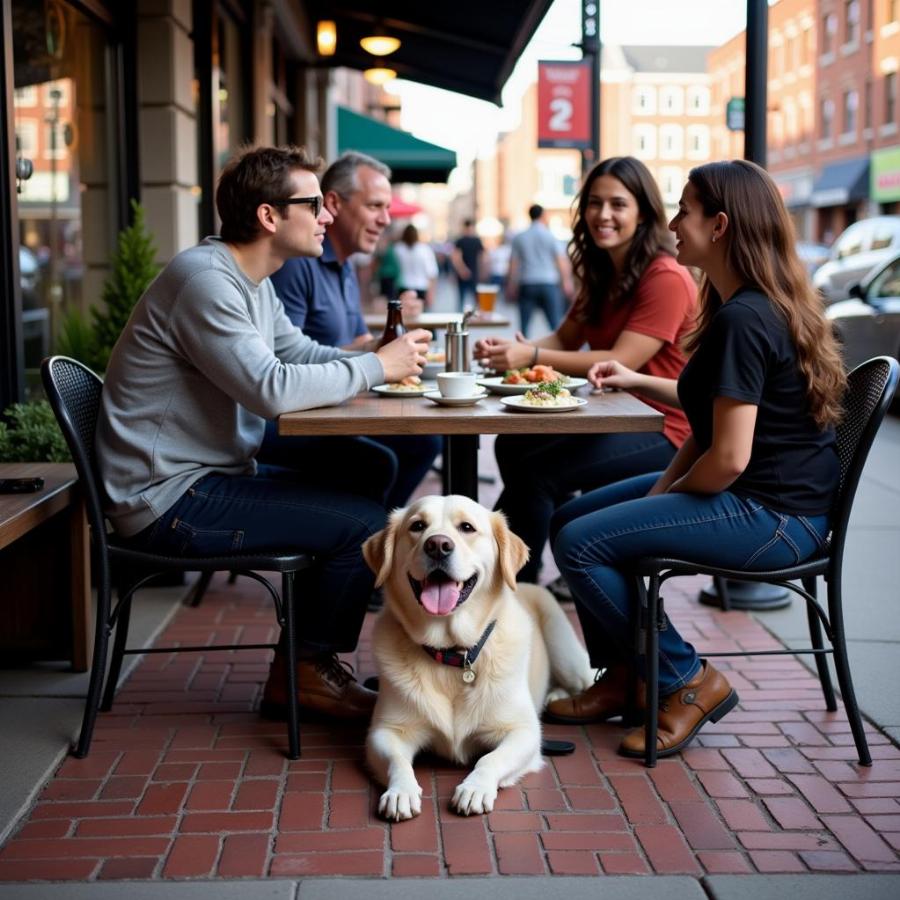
{"x":751,"y":488}
{"x":418,"y":265}
{"x":467,"y":259}
{"x":206,"y":358}
{"x":539,"y":275}
{"x":635,"y":304}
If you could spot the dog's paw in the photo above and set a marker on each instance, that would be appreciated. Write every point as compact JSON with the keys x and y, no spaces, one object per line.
{"x":399,"y":804}
{"x":557,"y":693}
{"x":474,"y":796}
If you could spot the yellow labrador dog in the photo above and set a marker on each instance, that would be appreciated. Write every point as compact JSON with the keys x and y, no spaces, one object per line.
{"x":466,"y":658}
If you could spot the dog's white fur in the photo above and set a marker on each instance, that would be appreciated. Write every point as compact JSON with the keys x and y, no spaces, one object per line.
{"x":425,"y":704}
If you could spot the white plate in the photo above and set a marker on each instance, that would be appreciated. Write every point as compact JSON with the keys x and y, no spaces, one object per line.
{"x":438,"y":397}
{"x":496,"y":386}
{"x":519,"y":405}
{"x":386,"y":390}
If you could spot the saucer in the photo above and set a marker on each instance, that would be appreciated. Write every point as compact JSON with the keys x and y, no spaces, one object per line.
{"x":438,"y":397}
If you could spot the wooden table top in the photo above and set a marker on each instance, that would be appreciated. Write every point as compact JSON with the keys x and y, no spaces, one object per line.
{"x":19,"y":513}
{"x":431,"y":320}
{"x":373,"y":414}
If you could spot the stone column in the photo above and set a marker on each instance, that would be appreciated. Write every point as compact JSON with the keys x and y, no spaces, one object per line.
{"x":167,"y":123}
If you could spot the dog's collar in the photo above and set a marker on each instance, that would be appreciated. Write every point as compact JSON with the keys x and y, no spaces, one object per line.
{"x":462,"y":659}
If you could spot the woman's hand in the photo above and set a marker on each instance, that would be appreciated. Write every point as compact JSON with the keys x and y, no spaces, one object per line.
{"x":612,"y":374}
{"x":500,"y":354}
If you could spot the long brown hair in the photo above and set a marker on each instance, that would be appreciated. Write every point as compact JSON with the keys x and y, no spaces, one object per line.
{"x":593,"y":268}
{"x":760,"y":249}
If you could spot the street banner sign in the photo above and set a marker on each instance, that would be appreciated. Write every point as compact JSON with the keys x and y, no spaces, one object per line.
{"x":564,"y":104}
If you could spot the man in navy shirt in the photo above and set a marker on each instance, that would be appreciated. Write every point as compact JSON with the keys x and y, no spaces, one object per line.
{"x":321,"y":295}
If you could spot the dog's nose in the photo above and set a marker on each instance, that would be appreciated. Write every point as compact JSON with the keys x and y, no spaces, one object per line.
{"x":438,"y":546}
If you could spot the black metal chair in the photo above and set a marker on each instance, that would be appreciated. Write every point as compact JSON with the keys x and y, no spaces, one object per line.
{"x":870,"y":388}
{"x":74,"y":392}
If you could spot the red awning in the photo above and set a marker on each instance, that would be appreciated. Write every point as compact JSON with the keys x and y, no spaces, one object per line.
{"x":400,"y":209}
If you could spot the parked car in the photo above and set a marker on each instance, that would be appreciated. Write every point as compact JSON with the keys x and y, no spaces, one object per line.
{"x":812,"y":255}
{"x":868,"y":322}
{"x":29,"y":276}
{"x":859,"y":248}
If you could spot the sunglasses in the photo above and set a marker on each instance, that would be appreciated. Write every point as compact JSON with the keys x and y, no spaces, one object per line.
{"x":314,"y":203}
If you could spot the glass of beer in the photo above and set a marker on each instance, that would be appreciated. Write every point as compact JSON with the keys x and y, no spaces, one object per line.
{"x":487,"y":297}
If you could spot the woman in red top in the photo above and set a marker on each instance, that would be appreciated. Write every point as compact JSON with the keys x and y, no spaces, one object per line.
{"x":634,"y":304}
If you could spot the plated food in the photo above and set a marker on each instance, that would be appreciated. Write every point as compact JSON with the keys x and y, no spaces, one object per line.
{"x":532,"y":375}
{"x":548,"y":396}
{"x":411,"y":386}
{"x":497,"y":385}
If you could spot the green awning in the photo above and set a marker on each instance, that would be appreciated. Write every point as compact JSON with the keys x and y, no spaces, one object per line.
{"x":410,"y":159}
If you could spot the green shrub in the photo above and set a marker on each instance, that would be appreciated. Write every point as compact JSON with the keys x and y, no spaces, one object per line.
{"x":77,"y":339}
{"x":91,"y":339}
{"x":32,"y":434}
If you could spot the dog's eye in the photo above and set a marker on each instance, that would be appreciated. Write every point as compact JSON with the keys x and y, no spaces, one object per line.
{"x":467,"y":527}
{"x":417,"y":526}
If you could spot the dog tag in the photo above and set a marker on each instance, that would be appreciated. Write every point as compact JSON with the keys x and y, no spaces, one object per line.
{"x":468,"y":676}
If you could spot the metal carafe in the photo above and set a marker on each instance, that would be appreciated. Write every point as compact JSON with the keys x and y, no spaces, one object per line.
{"x":457,"y":347}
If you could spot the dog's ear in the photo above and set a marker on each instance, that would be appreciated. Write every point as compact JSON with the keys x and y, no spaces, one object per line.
{"x":378,"y":550}
{"x":512,"y":550}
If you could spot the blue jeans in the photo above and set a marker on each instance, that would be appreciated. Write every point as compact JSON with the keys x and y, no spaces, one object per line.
{"x":466,"y":289}
{"x":547,"y":297}
{"x":541,"y":472}
{"x":287,"y":509}
{"x":593,"y":550}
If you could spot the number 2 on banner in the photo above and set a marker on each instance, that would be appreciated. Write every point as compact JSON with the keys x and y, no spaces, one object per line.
{"x":560,"y":114}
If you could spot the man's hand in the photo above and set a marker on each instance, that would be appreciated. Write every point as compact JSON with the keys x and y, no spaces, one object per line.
{"x":405,"y":355}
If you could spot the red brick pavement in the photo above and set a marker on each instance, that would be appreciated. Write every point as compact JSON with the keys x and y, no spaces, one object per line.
{"x":186,"y":781}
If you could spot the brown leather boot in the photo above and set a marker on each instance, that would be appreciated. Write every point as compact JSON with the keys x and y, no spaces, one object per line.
{"x":605,"y":699}
{"x":325,"y":687}
{"x":705,"y":698}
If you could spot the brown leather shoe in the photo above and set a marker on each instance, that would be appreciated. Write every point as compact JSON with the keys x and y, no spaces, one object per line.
{"x":605,"y":699}
{"x":325,"y":687}
{"x":705,"y":698}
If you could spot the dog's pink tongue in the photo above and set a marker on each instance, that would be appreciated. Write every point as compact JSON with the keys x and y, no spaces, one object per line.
{"x":440,"y":598}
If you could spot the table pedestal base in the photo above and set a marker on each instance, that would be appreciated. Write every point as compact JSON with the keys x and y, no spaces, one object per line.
{"x":746,"y":595}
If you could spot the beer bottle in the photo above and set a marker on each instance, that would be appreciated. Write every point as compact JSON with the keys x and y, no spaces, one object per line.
{"x":393,"y":326}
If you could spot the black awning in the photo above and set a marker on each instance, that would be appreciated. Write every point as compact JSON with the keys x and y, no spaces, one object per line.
{"x":842,"y":182}
{"x":467,"y":46}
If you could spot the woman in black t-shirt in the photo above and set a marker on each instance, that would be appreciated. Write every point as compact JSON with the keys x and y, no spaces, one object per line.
{"x":751,"y":487}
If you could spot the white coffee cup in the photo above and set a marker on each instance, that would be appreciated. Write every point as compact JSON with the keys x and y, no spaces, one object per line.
{"x":456,"y":384}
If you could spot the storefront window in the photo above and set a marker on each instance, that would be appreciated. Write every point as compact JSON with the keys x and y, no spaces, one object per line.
{"x":65,"y":173}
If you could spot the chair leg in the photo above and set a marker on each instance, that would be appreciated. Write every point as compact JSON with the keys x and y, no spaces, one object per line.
{"x":98,"y":668}
{"x":119,"y":643}
{"x":652,"y":667}
{"x":815,"y":637}
{"x":290,"y":642}
{"x":842,"y":666}
{"x":196,"y":595}
{"x":722,"y":590}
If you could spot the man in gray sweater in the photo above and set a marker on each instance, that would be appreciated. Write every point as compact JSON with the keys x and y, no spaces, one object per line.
{"x":207,"y":356}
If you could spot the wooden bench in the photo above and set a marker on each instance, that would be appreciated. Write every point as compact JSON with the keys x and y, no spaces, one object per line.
{"x":45,"y":593}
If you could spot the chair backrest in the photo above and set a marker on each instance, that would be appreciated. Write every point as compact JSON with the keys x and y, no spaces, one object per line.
{"x":870,"y":389}
{"x":74,"y":394}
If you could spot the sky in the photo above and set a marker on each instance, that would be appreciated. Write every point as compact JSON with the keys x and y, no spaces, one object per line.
{"x":470,"y":126}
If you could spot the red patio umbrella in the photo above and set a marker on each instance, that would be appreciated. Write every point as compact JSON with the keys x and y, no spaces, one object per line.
{"x":400,"y":209}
